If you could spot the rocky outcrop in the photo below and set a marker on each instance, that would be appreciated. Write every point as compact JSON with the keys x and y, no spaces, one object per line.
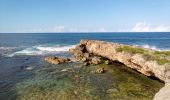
{"x":146,"y":61}
{"x":56,"y":60}
{"x":136,"y":60}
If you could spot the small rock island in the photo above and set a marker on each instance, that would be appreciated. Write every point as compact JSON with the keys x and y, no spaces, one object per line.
{"x":146,"y":61}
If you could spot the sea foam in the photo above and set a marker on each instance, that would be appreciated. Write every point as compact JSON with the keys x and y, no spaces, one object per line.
{"x":42,"y":50}
{"x":147,"y":46}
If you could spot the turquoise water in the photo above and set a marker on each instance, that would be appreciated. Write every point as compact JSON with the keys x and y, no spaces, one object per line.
{"x":23,"y":70}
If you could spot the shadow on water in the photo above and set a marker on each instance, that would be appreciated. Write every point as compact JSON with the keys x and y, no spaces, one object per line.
{"x":15,"y":70}
{"x":151,"y":77}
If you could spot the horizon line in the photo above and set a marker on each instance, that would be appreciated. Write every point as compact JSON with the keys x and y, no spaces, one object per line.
{"x":78,"y":32}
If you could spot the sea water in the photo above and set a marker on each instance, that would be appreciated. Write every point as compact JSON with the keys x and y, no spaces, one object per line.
{"x":24,"y":74}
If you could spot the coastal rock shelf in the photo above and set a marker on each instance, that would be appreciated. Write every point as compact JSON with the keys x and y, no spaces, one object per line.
{"x":146,"y":61}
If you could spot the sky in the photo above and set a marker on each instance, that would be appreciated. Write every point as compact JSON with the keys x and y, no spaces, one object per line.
{"x":31,"y":16}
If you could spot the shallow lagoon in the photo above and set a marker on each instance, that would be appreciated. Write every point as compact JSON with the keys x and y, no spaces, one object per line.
{"x":73,"y":81}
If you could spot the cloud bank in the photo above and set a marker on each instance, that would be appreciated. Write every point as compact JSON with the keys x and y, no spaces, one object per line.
{"x":138,"y":27}
{"x":145,"y":27}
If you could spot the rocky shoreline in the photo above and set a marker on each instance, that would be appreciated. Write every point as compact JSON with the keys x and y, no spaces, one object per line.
{"x":148,"y":62}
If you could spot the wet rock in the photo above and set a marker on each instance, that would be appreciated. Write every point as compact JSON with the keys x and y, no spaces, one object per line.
{"x":84,"y":59}
{"x":65,"y":70}
{"x":56,"y":60}
{"x":112,"y":90}
{"x":96,"y":60}
{"x":100,"y":70}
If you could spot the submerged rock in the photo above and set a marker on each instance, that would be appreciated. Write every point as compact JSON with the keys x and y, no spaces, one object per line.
{"x":100,"y":71}
{"x":56,"y":60}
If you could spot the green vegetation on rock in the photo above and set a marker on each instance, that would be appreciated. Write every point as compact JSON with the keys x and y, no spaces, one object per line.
{"x":161,"y":57}
{"x":132,"y":50}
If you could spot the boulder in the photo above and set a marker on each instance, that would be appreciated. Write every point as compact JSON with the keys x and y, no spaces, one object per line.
{"x":56,"y":60}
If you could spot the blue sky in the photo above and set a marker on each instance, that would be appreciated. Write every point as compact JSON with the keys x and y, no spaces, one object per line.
{"x":84,"y":15}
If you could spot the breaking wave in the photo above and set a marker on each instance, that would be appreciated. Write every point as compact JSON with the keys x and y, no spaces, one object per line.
{"x":42,"y":50}
{"x":7,"y":48}
{"x":152,"y":47}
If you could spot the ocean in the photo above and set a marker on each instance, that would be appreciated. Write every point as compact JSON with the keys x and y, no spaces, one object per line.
{"x":21,"y":54}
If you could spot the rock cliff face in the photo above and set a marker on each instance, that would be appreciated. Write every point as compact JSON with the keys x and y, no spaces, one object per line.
{"x":146,"y":61}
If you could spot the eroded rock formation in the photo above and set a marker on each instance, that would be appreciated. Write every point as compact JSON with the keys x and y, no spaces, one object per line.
{"x":146,"y":61}
{"x":138,"y":60}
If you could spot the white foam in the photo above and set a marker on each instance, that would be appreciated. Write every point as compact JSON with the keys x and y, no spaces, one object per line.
{"x":42,"y":50}
{"x":7,"y":48}
{"x":152,"y":47}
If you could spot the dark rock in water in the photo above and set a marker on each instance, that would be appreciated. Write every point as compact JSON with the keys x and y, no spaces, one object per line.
{"x":100,"y":70}
{"x":23,"y":67}
{"x":56,"y":60}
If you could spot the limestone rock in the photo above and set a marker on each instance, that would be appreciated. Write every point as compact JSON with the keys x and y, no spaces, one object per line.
{"x":100,"y":70}
{"x":164,"y":93}
{"x":146,"y":61}
{"x":133,"y":58}
{"x":96,"y":60}
{"x":56,"y":60}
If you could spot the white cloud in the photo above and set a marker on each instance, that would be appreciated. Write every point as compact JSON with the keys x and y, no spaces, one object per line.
{"x":58,"y":29}
{"x":145,"y":27}
{"x":138,"y":27}
{"x":61,"y":29}
{"x":102,"y":29}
